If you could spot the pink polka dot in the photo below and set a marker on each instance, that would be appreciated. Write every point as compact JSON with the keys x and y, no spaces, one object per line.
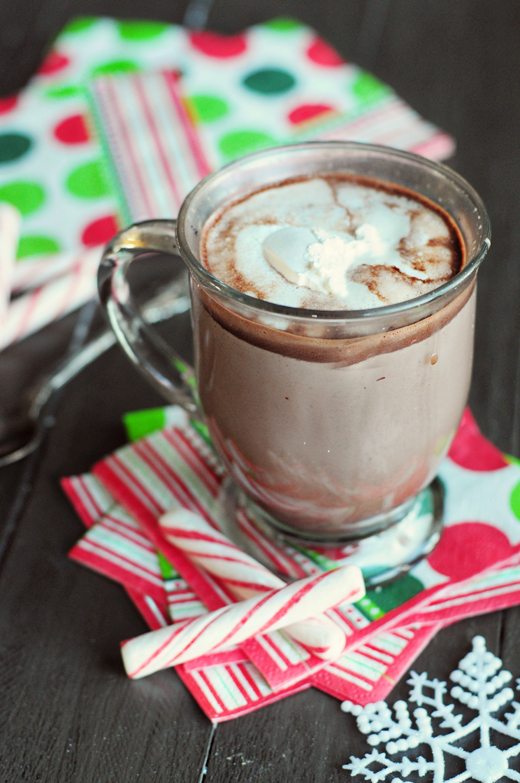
{"x":308,"y":111}
{"x":467,"y":548}
{"x":54,"y":62}
{"x":8,"y":104}
{"x":471,"y":450}
{"x":72,"y":130}
{"x":217,"y":45}
{"x":321,"y":53}
{"x":100,"y":231}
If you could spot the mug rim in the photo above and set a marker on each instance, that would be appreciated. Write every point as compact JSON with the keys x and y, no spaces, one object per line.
{"x":408,"y":306}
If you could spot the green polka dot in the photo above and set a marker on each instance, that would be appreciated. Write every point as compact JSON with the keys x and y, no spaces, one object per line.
{"x":207,"y":108}
{"x":26,"y":196}
{"x":282,"y":24}
{"x":269,"y":81}
{"x":13,"y":146}
{"x":115,"y":66}
{"x":88,"y":181}
{"x":36,"y":245}
{"x":64,"y":91}
{"x":141,"y":30}
{"x":515,"y":501}
{"x":240,"y":142}
{"x":80,"y":24}
{"x":512,"y":460}
{"x":368,"y":88}
{"x":396,"y":593}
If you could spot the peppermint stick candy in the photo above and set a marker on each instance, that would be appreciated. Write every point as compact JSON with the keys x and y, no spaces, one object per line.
{"x":52,"y":301}
{"x":41,"y":270}
{"x":9,"y":231}
{"x":234,"y":624}
{"x":244,"y":576}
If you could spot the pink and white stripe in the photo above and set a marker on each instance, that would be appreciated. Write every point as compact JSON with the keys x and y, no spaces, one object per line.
{"x":391,"y":123}
{"x":183,"y":603}
{"x":371,"y":671}
{"x":234,"y":624}
{"x":155,"y":152}
{"x":88,"y":496}
{"x":117,"y":547}
{"x":228,"y":691}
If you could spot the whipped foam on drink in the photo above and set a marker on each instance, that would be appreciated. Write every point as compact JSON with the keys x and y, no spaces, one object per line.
{"x":332,"y":242}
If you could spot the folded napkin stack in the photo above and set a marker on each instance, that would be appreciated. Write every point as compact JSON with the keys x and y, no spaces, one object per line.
{"x":171,"y":466}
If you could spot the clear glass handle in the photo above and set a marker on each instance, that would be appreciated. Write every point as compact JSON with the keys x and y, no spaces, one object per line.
{"x":152,"y":355}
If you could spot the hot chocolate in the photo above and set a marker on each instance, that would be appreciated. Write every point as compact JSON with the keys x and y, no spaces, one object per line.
{"x":327,"y":432}
{"x":333,"y":300}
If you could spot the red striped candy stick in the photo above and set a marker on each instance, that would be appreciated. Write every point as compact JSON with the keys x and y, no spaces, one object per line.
{"x":234,"y":624}
{"x":244,"y":576}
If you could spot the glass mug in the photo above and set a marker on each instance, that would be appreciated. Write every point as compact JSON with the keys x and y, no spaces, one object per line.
{"x":330,"y":423}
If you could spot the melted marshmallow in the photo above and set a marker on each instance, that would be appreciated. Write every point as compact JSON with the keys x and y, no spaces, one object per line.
{"x":331,"y":242}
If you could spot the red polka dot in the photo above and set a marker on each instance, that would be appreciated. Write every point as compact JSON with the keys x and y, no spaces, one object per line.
{"x":467,"y":548}
{"x":8,"y":104}
{"x":100,"y":231}
{"x":217,"y":45}
{"x":322,"y":53}
{"x":72,"y":130}
{"x":53,"y":63}
{"x":308,"y":111}
{"x":471,"y":450}
{"x":175,"y":74}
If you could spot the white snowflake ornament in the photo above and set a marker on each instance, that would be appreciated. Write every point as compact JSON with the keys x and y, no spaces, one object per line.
{"x":449,"y":739}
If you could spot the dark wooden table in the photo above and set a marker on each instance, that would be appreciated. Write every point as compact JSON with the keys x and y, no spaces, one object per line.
{"x":67,"y":712}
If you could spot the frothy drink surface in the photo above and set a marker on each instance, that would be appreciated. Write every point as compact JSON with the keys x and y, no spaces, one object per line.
{"x":332,"y":242}
{"x":323,"y":430}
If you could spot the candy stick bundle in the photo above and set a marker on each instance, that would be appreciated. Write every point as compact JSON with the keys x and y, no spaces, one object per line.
{"x":51,"y":300}
{"x":244,"y":576}
{"x":238,"y":622}
{"x":127,"y":505}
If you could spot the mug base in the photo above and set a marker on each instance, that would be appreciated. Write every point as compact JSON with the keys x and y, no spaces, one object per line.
{"x":409,"y":535}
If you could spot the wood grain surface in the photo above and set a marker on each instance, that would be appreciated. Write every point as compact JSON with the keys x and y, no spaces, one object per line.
{"x":67,"y":712}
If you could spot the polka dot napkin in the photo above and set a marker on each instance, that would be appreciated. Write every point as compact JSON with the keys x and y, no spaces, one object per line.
{"x":123,"y":118}
{"x":242,"y":92}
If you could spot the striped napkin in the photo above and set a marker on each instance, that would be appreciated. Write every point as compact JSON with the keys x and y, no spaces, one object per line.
{"x":171,"y":464}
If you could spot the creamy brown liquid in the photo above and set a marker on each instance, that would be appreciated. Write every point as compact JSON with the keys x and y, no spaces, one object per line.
{"x":326,"y":431}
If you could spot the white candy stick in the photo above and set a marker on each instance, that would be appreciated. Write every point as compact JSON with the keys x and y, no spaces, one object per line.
{"x":9,"y":232}
{"x":234,"y":624}
{"x":244,"y":576}
{"x":40,"y":270}
{"x":36,"y":309}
